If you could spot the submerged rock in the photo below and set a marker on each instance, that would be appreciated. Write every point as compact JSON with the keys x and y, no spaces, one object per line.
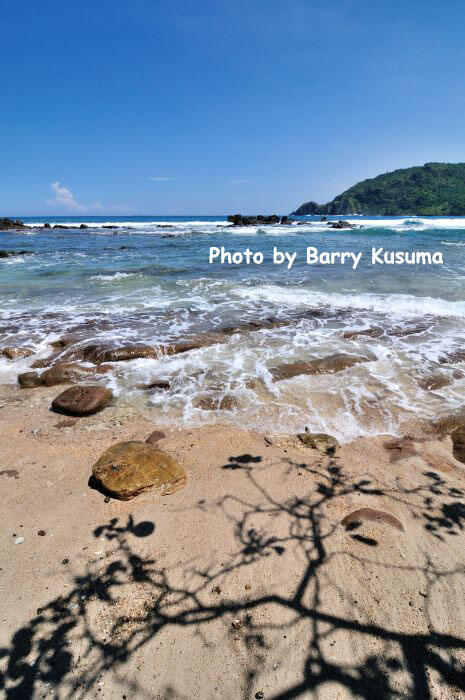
{"x":216,"y":403}
{"x":341,"y":224}
{"x":82,"y":400}
{"x":433,"y":382}
{"x":64,"y":373}
{"x":130,"y":468}
{"x":324,"y":443}
{"x":16,"y":353}
{"x":155,"y":385}
{"x":155,"y":437}
{"x":325,"y":365}
{"x":260,"y":220}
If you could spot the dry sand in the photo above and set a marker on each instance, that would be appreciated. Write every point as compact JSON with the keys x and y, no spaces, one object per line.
{"x":245,"y":583}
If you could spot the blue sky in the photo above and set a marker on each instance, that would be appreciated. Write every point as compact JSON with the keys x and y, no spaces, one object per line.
{"x":208,"y":106}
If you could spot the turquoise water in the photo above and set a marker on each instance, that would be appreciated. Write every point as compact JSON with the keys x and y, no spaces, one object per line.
{"x":150,"y":280}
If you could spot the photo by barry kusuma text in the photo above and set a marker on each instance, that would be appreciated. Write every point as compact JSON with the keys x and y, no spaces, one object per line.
{"x":377,"y":256}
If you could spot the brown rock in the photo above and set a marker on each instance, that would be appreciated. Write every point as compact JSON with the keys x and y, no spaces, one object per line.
{"x":82,"y":400}
{"x":29,"y":380}
{"x":129,"y":468}
{"x":370,"y":332}
{"x":458,"y":442}
{"x":437,"y":381}
{"x":101,"y":353}
{"x":16,"y":353}
{"x":326,"y":444}
{"x":155,"y":437}
{"x":325,"y":365}
{"x":453,"y":357}
{"x":64,"y":373}
{"x":358,"y":516}
{"x":215,"y":403}
{"x":155,"y":385}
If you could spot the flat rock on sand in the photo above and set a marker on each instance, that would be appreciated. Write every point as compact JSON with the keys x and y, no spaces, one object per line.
{"x":326,"y":444}
{"x":129,"y":468}
{"x":82,"y":400}
{"x":379,"y":516}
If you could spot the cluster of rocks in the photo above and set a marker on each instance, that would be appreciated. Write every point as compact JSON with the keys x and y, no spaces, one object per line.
{"x":13,"y":253}
{"x":260,"y":220}
{"x":9,"y":224}
{"x":341,"y":224}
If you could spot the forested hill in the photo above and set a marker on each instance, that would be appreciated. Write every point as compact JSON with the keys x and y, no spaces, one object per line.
{"x":433,"y":189}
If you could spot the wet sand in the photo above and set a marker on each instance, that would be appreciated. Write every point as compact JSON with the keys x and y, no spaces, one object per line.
{"x":243,"y":584}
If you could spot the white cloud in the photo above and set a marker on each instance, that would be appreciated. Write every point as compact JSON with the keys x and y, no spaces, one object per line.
{"x":160,"y":178}
{"x":65,"y":198}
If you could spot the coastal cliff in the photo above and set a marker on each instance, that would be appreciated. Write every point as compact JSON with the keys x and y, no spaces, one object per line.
{"x":434,"y":189}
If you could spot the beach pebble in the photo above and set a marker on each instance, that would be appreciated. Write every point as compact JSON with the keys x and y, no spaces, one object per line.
{"x":82,"y":400}
{"x":154,"y":437}
{"x":326,"y":444}
{"x":19,"y":540}
{"x":237,"y":624}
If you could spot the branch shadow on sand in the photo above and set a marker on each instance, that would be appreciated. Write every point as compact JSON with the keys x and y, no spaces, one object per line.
{"x":61,"y":649}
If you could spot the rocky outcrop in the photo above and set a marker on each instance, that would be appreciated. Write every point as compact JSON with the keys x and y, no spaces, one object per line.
{"x":13,"y":253}
{"x":458,"y":442}
{"x":64,"y":373}
{"x":82,"y":400}
{"x":10,"y":224}
{"x":130,"y":468}
{"x":325,"y":365}
{"x":260,"y":220}
{"x":341,"y":224}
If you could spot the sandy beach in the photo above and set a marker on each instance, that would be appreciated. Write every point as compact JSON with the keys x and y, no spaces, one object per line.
{"x":243,"y":584}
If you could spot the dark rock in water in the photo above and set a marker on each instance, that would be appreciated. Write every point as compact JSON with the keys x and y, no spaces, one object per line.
{"x":83,"y":226}
{"x":14,"y":253}
{"x":341,"y":224}
{"x":286,"y":221}
{"x":82,"y":400}
{"x":453,"y":357}
{"x":215,"y":403}
{"x":433,"y":382}
{"x":47,"y":225}
{"x":64,"y":373}
{"x":110,"y":226}
{"x":16,"y":353}
{"x":326,"y":444}
{"x":130,"y":468}
{"x":358,"y":516}
{"x":155,"y":437}
{"x":29,"y":380}
{"x":97,"y":353}
{"x":158,"y":384}
{"x":375,"y":332}
{"x":323,"y":218}
{"x":260,"y":220}
{"x":458,"y":442}
{"x":9,"y":224}
{"x":325,"y":365}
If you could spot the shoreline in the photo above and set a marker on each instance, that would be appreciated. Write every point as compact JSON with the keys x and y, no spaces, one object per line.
{"x":247,"y":571}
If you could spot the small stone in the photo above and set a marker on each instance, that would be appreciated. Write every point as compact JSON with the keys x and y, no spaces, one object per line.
{"x":216,"y":590}
{"x":19,"y":540}
{"x":65,"y":561}
{"x":326,"y":444}
{"x":259,"y":695}
{"x":107,"y":499}
{"x":237,"y":624}
{"x":41,"y":533}
{"x":65,"y":424}
{"x":248,"y":587}
{"x":154,"y":437}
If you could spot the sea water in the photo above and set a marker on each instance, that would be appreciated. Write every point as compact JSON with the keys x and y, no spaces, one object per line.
{"x":150,"y":280}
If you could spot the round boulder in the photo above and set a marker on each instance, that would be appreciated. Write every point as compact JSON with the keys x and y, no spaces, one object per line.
{"x":82,"y":400}
{"x":129,"y":468}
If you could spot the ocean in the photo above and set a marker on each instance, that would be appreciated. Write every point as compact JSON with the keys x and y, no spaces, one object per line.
{"x":150,"y":281}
